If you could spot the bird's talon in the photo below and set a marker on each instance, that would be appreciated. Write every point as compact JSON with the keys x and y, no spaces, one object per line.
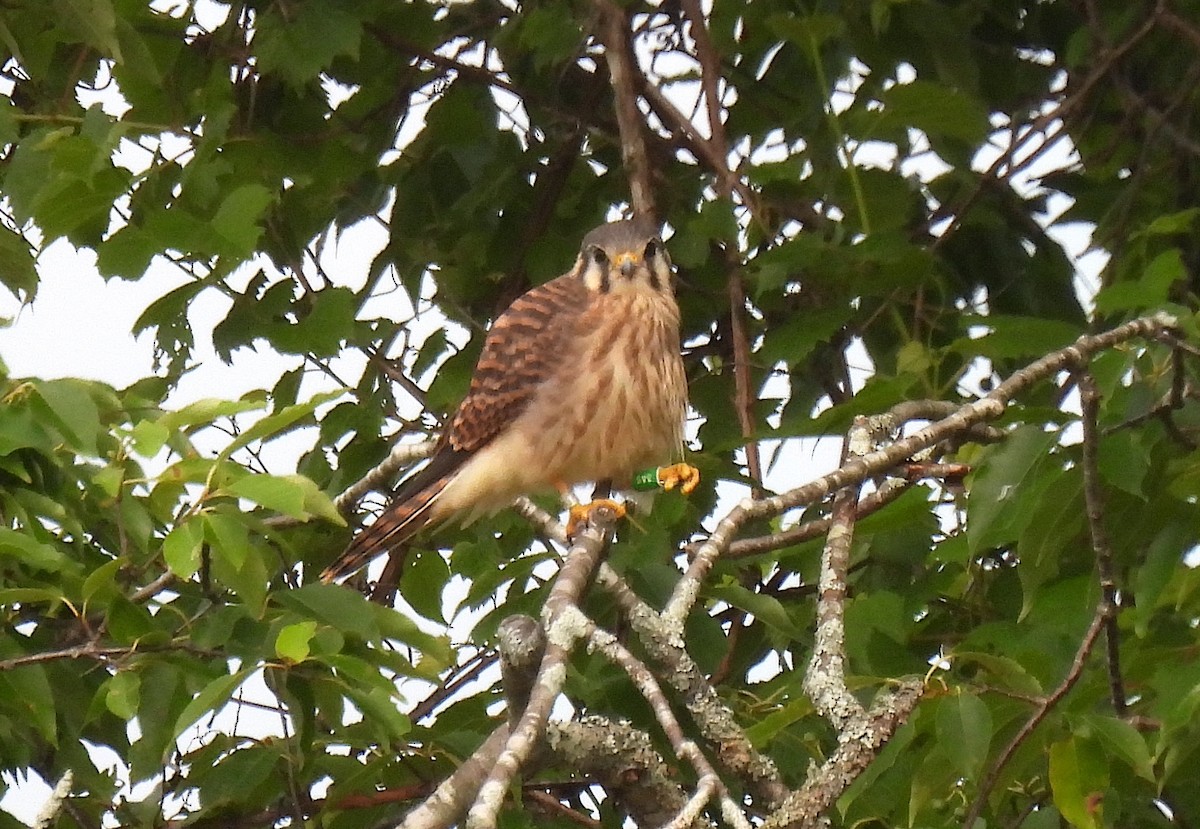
{"x":581,"y":514}
{"x":682,"y":475}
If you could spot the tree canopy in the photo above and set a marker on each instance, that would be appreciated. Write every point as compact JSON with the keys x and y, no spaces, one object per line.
{"x":987,"y":615}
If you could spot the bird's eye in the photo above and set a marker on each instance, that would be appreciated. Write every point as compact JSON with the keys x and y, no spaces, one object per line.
{"x":651,"y":250}
{"x":599,"y":256}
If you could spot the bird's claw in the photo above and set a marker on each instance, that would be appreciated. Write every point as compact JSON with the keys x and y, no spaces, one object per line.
{"x":581,"y":514}
{"x":682,"y":475}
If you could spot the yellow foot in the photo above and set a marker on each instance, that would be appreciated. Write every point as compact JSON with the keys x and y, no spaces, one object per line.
{"x":682,"y":475}
{"x":580,"y":514}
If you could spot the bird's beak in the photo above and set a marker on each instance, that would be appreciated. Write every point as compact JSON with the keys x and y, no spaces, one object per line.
{"x":626,"y":262}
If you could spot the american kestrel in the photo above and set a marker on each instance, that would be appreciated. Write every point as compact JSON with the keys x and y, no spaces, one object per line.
{"x":580,"y":379}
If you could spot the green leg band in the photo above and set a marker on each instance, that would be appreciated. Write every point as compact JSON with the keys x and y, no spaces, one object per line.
{"x":646,"y":480}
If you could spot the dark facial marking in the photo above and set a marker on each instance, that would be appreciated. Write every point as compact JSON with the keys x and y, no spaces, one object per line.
{"x":600,"y":258}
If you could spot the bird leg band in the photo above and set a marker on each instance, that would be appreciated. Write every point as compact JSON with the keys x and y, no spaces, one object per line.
{"x":683,"y":475}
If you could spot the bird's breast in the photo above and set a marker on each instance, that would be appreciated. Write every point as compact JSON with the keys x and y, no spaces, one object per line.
{"x":619,"y":406}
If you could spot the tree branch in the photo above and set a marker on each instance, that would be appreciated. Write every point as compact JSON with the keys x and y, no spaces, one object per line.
{"x":1093,"y":496}
{"x":565,"y":625}
{"x":613,"y":32}
{"x":989,"y":407}
{"x":712,"y":716}
{"x":825,"y":679}
{"x":993,"y":775}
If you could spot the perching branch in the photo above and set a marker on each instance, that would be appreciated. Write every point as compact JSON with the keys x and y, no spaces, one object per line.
{"x":564,"y":626}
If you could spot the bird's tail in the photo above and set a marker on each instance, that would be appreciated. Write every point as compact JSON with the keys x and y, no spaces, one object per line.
{"x":403,"y":518}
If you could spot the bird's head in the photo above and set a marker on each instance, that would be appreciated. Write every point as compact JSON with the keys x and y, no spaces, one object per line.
{"x":622,"y":256}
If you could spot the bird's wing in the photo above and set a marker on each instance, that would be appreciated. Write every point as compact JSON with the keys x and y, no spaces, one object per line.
{"x":522,"y":350}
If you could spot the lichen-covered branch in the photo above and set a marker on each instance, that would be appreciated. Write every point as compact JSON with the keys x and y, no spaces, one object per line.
{"x":733,"y":751}
{"x":858,"y":744}
{"x":967,"y":416}
{"x":825,"y":679}
{"x":564,"y":625}
{"x":709,"y":784}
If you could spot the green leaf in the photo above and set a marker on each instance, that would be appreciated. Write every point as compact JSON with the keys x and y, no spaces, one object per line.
{"x":26,"y":692}
{"x":279,"y":422}
{"x":228,"y":537}
{"x":31,"y":552}
{"x":17,"y":272}
{"x":281,"y":494}
{"x":1006,"y":489}
{"x":211,"y":698}
{"x":1124,"y":461}
{"x":293,"y":495}
{"x":230,"y":781}
{"x":334,"y":605}
{"x":73,"y":412}
{"x":808,"y":31}
{"x":1169,"y":224}
{"x":302,"y":43}
{"x":1003,"y":671}
{"x":1162,"y":560}
{"x":110,"y":479}
{"x":326,"y":320}
{"x":94,"y":21}
{"x":1151,"y":290}
{"x":238,"y":219}
{"x":28,"y":595}
{"x":964,"y":729}
{"x":101,"y":584}
{"x":124,"y":694}
{"x":382,"y":708}
{"x":1011,"y":337}
{"x":425,"y":577}
{"x":181,"y":548}
{"x":203,"y":412}
{"x":292,"y":643}
{"x":149,"y":437}
{"x":1070,"y":787}
{"x":793,"y":341}
{"x":1124,"y":741}
{"x":1052,"y":527}
{"x":767,"y":608}
{"x":937,"y":110}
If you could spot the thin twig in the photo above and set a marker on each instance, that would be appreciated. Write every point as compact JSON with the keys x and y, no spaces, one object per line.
{"x":993,"y":776}
{"x":888,"y":492}
{"x":1093,"y":495}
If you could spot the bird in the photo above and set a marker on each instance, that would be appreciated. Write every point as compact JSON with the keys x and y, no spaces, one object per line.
{"x":580,"y":379}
